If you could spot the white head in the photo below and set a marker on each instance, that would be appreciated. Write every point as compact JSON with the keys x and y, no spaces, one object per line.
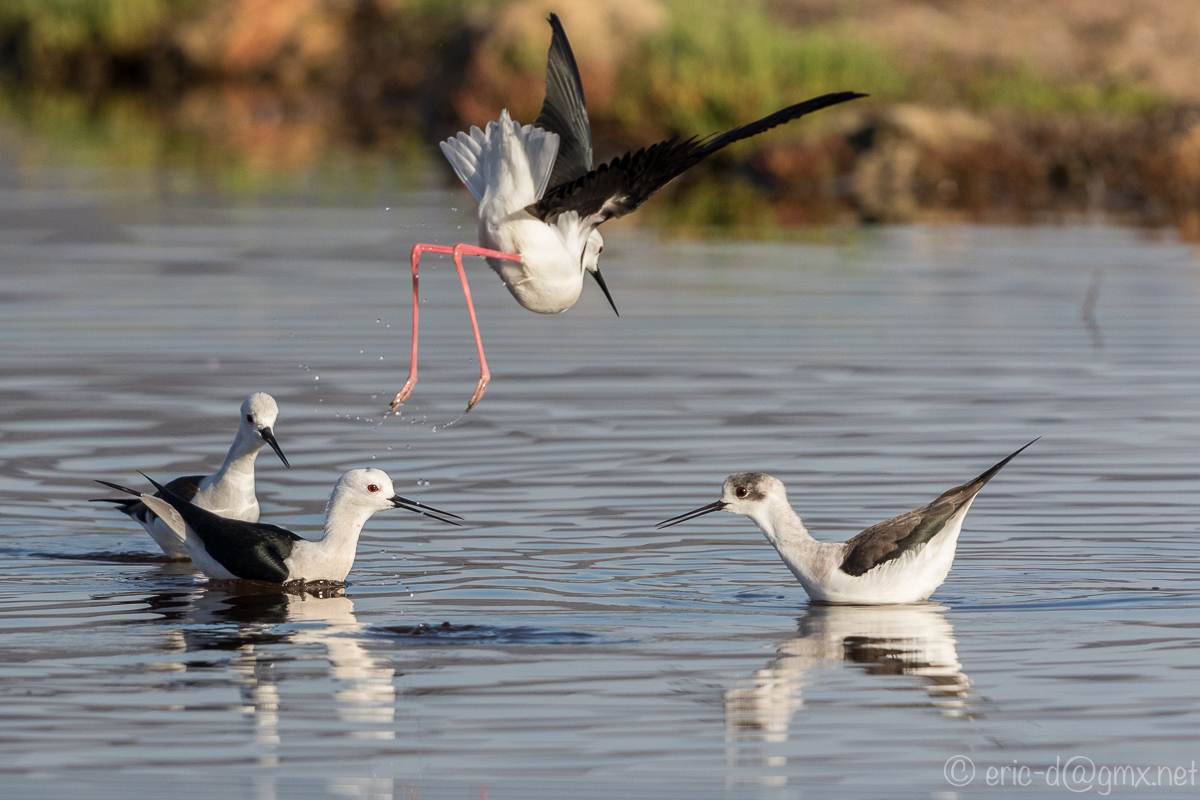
{"x":369,"y":491}
{"x":592,"y":249}
{"x":259,"y":413}
{"x":751,"y":494}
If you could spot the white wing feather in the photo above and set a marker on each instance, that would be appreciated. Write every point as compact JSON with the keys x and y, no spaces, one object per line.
{"x":467,"y":153}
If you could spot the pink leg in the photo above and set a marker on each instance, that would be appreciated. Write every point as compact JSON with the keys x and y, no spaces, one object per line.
{"x":417,"y":250}
{"x":458,"y":251}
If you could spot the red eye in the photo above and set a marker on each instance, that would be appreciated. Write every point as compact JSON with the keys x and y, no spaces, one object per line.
{"x":740,"y":491}
{"x":372,"y":488}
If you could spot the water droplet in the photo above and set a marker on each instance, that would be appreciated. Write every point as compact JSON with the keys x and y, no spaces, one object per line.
{"x":316,"y":377}
{"x":381,"y":358}
{"x":360,"y":351}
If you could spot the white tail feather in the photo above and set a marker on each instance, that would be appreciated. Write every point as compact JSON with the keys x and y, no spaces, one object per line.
{"x":466,"y":152}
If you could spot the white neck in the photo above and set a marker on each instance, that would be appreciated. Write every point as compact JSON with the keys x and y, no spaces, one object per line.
{"x":239,"y":461}
{"x":333,"y":554}
{"x":787,"y":534}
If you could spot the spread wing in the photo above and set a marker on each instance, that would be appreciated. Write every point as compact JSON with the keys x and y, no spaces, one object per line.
{"x":564,"y":111}
{"x":899,"y":535}
{"x":623,"y":184}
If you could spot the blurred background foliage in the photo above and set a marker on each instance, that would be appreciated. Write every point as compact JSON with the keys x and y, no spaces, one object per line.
{"x":979,"y":109}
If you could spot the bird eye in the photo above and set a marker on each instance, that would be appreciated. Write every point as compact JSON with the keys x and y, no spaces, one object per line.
{"x":740,"y":491}
{"x":372,"y":488}
{"x":601,"y":250}
{"x":249,"y":418}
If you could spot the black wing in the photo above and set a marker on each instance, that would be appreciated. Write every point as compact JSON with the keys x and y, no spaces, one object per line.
{"x":252,"y":551}
{"x":623,"y":184}
{"x":564,"y":112}
{"x":185,"y":487}
{"x":895,"y":537}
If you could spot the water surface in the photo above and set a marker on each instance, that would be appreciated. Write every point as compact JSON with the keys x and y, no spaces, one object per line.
{"x":560,"y":646}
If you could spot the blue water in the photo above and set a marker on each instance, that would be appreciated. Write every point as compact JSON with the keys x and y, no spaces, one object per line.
{"x":560,"y":646}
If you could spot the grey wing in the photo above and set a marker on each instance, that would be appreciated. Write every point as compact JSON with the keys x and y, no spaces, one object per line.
{"x":564,"y":111}
{"x":895,"y":537}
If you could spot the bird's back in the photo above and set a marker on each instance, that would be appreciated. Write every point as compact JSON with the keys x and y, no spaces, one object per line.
{"x":247,"y":550}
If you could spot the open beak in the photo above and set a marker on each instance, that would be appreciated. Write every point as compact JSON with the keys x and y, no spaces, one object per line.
{"x":269,"y":437}
{"x":604,"y":288}
{"x":695,"y":512}
{"x":429,"y":511}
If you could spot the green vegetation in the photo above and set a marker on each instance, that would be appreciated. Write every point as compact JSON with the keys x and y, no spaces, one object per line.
{"x":722,"y":63}
{"x":347,"y":96}
{"x":1022,"y":89}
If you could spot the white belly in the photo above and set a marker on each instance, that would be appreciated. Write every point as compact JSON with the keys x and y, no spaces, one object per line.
{"x":316,"y":564}
{"x":911,"y":578}
{"x":547,"y":279}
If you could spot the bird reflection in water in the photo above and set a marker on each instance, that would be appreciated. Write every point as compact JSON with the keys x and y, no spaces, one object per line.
{"x":903,"y":640}
{"x":248,"y":624}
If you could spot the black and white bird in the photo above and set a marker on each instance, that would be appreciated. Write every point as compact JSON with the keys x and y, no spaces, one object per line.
{"x":229,"y":491}
{"x":902,"y":560}
{"x":230,"y":549}
{"x":541,"y":202}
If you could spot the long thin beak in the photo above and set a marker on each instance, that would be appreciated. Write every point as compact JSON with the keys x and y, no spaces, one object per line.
{"x":429,"y":511}
{"x":269,"y":437}
{"x":604,"y":288}
{"x":696,"y":512}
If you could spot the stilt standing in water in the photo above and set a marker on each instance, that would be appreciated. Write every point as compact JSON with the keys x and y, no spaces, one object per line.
{"x":902,"y":560}
{"x":228,"y":492}
{"x":228,"y":549}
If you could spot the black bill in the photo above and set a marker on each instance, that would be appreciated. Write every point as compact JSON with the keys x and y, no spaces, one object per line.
{"x":604,"y":288}
{"x":269,"y":437}
{"x":695,"y":512}
{"x":429,"y":511}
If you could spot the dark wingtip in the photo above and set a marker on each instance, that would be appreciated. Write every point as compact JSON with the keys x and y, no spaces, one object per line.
{"x":991,"y":473}
{"x":156,"y":484}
